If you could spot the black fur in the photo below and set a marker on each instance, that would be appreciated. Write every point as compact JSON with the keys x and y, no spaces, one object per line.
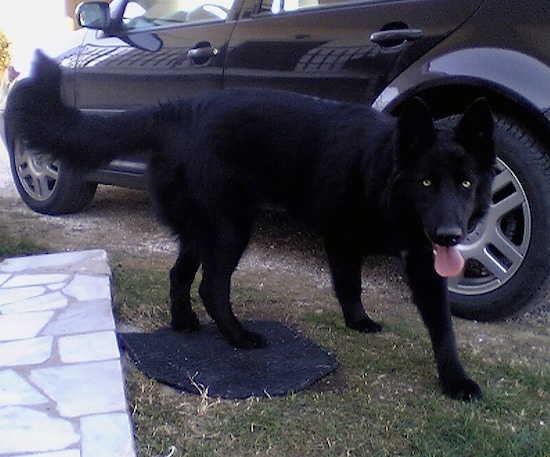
{"x":367,"y":182}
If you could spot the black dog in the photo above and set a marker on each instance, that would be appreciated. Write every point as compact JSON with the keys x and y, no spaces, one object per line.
{"x":367,"y":182}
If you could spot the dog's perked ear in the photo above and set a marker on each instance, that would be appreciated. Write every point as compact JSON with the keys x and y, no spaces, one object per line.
{"x":415,"y":131}
{"x":475,"y":132}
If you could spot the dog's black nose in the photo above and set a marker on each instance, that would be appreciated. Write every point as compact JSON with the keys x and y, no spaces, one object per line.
{"x":448,"y":236}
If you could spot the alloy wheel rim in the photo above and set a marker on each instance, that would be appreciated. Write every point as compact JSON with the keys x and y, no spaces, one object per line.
{"x":36,"y":171}
{"x":496,"y":248}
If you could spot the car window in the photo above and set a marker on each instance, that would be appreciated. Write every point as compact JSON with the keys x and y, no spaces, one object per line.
{"x":281,"y":6}
{"x":143,"y":14}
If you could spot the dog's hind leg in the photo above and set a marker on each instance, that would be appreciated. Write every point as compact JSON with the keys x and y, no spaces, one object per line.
{"x":345,"y":262}
{"x":182,"y":275}
{"x":220,"y":259}
{"x":430,"y":295}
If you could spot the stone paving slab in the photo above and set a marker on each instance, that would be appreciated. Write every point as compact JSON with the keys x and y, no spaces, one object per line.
{"x":61,"y":381}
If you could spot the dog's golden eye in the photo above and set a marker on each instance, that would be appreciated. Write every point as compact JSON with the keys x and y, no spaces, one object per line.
{"x":466,"y":184}
{"x":427,"y":183}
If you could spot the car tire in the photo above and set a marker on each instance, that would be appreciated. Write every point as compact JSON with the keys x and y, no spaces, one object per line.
{"x":48,"y":186}
{"x":508,"y":254}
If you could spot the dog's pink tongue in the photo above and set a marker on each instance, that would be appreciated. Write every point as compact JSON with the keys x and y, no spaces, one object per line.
{"x":448,"y":261}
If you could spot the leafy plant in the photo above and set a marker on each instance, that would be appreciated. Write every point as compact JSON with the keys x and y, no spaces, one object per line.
{"x":4,"y":52}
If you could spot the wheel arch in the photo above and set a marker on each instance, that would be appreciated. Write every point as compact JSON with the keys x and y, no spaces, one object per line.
{"x":450,"y":99}
{"x":514,"y":84}
{"x":453,"y":98}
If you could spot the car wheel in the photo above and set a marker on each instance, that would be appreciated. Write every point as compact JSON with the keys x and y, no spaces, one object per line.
{"x":508,"y":254}
{"x":48,"y":186}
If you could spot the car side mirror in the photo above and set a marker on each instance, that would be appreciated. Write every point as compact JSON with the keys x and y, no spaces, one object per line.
{"x":97,"y":16}
{"x":93,"y":15}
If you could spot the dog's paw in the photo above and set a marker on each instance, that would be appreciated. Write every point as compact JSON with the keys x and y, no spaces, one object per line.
{"x":188,"y":325}
{"x":463,"y":389}
{"x":365,"y":325}
{"x":249,"y":340}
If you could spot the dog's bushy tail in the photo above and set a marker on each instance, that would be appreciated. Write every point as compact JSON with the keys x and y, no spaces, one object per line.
{"x":35,"y":112}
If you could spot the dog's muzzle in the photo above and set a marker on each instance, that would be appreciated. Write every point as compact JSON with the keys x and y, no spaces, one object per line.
{"x":448,"y":236}
{"x":448,"y":261}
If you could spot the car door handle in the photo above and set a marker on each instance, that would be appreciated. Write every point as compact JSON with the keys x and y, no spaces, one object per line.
{"x":396,"y":37}
{"x":206,"y":52}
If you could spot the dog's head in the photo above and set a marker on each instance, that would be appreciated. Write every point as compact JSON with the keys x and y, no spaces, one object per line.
{"x":445,"y":172}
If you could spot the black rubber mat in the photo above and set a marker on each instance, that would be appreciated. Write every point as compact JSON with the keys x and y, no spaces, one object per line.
{"x":288,"y":364}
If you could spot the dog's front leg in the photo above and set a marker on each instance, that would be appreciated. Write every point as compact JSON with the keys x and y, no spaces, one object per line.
{"x":345,"y":263}
{"x":430,"y":295}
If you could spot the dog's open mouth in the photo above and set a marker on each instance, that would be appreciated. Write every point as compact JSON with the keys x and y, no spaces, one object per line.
{"x":448,"y":261}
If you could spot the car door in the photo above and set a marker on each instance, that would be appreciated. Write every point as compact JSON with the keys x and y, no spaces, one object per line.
{"x":155,"y":50}
{"x":340,"y":49}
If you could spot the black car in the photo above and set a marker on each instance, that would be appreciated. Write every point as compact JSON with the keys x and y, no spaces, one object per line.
{"x":378,"y":52}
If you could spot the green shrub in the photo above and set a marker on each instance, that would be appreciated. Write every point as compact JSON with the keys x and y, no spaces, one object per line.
{"x":4,"y":52}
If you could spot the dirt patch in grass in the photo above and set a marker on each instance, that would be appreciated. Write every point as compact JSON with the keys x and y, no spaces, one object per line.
{"x":383,"y":401}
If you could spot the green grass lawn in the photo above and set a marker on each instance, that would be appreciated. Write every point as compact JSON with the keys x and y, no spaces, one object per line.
{"x":384,"y":400}
{"x":11,"y":246}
